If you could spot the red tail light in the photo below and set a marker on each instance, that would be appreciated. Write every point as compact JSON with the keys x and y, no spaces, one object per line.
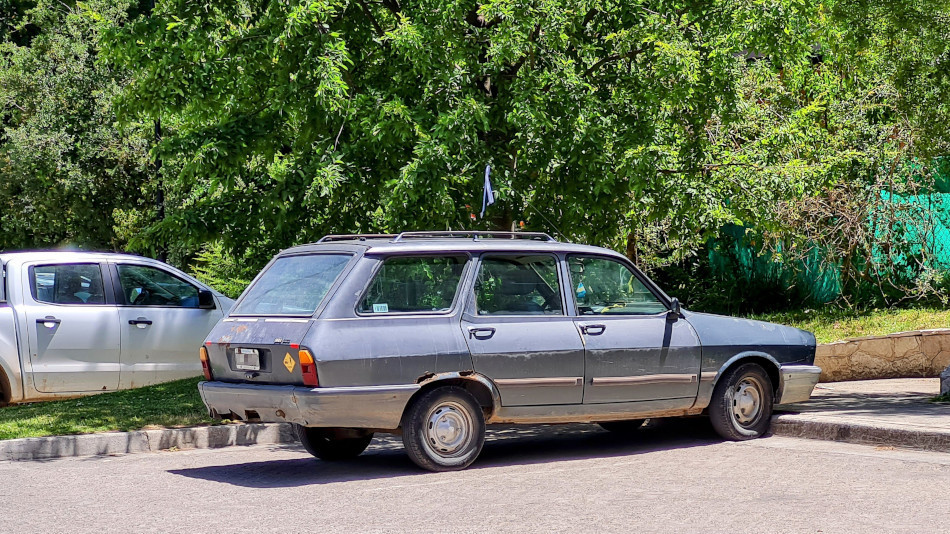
{"x":205,"y":364}
{"x":308,"y":368}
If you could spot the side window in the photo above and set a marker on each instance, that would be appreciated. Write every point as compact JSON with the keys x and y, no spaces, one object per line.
{"x":77,"y":283}
{"x":148,"y":286}
{"x":608,"y":287}
{"x":414,"y":284}
{"x":518,"y":285}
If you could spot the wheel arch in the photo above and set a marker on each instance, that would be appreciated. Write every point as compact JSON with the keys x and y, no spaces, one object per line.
{"x":6,"y":393}
{"x":771,"y":366}
{"x":482,"y":388}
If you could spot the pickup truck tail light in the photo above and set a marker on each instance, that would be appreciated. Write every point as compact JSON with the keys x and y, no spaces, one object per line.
{"x":308,"y":368}
{"x":205,"y":364}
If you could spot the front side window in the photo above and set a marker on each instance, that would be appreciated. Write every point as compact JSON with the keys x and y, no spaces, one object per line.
{"x":608,"y":287}
{"x":414,"y":284}
{"x":518,"y":285}
{"x":76,"y":283}
{"x":292,"y":285}
{"x":148,"y":286}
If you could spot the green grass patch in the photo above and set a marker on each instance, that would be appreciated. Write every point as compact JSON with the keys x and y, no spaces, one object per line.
{"x":834,"y":324}
{"x":171,"y":404}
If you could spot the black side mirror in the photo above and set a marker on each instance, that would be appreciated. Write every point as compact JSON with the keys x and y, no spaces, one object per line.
{"x":205,"y":299}
{"x":675,"y":308}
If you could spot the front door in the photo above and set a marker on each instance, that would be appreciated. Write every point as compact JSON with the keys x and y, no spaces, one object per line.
{"x":73,"y":330}
{"x":161,"y":325}
{"x":519,"y":335}
{"x":635,"y":350}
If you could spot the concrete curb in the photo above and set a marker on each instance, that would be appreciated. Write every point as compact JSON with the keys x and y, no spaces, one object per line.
{"x":799,"y":426}
{"x":113,"y":443}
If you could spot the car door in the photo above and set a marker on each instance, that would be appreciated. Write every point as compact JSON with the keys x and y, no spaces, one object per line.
{"x":519,"y":334}
{"x":160,"y":322}
{"x":73,"y":328}
{"x":635,"y":350}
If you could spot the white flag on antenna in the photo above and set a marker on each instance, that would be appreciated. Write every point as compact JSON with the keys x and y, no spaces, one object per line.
{"x":488,"y":196}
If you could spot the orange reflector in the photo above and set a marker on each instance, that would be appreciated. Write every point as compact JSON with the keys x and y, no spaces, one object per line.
{"x":308,"y":368}
{"x":205,"y":363}
{"x":203,"y":354}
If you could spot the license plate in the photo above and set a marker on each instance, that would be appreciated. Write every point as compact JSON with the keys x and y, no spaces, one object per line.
{"x":247,"y":359}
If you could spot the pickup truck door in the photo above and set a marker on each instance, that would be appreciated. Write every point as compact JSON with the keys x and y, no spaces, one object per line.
{"x":160,"y":323}
{"x":73,"y":328}
{"x":634,"y":349}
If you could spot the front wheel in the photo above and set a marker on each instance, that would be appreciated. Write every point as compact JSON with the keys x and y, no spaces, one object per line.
{"x":444,"y":429}
{"x":741,"y":406}
{"x":333,"y":444}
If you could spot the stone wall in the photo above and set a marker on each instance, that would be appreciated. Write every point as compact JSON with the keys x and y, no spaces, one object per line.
{"x":918,"y":354}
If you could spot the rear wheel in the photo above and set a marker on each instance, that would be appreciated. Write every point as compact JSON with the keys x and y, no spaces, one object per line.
{"x":741,"y":406}
{"x":622,"y":427}
{"x":444,"y":429}
{"x":332,"y":444}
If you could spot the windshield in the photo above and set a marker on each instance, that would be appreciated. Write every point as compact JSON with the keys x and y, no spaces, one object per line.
{"x":293,"y":285}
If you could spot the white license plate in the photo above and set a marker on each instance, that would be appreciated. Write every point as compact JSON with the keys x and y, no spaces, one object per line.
{"x":247,"y":359}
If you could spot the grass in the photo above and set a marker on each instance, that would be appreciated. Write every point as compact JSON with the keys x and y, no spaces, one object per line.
{"x":172,"y":404}
{"x":834,"y":324}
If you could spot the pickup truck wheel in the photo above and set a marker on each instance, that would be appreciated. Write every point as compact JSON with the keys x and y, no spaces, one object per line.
{"x":622,"y":427}
{"x":444,"y":429}
{"x":741,"y":406}
{"x":328,"y":445}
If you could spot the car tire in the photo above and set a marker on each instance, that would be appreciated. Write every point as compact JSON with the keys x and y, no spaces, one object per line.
{"x":328,"y":444}
{"x":622,"y":427}
{"x":444,"y":429}
{"x":741,"y":406}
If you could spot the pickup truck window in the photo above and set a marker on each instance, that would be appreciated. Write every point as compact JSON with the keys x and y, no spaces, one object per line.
{"x":414,"y":284}
{"x":74,"y":283}
{"x":292,"y":285}
{"x":148,"y":286}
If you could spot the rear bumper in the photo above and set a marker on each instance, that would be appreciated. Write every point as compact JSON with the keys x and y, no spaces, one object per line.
{"x":350,"y":407}
{"x":797,"y":383}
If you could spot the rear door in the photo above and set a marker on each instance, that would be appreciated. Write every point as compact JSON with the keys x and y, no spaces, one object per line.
{"x":518,"y":332}
{"x":635,"y":350}
{"x":73,"y":327}
{"x":160,"y":322}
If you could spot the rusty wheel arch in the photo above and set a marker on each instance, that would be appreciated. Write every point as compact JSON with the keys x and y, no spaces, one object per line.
{"x":483,"y":389}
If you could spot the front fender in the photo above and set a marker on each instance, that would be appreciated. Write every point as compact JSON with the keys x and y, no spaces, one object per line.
{"x":11,"y":381}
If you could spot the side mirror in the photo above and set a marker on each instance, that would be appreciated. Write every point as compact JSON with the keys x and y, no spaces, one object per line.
{"x":675,"y":310}
{"x":205,"y":299}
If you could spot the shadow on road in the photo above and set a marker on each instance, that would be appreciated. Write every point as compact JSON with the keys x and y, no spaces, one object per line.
{"x":505,"y":445}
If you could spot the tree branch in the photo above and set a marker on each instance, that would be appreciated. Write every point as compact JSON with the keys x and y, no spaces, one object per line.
{"x":479,"y":21}
{"x":372,"y":19}
{"x":608,"y":59}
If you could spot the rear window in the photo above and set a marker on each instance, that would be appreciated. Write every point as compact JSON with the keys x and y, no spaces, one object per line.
{"x":414,"y":284}
{"x":293,"y":285}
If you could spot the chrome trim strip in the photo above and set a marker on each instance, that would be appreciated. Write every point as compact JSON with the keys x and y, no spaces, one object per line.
{"x":708,"y":376}
{"x":642,"y":380}
{"x":531,"y":382}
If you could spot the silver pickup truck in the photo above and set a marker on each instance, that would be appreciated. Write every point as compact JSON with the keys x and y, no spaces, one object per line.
{"x":435,"y":334}
{"x":78,"y":323}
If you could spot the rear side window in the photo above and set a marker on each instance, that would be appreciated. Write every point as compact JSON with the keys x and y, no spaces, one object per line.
{"x":414,"y":284}
{"x":75,"y":283}
{"x":293,"y":285}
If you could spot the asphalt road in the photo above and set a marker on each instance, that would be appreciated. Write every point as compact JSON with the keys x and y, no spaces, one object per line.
{"x":671,"y":477}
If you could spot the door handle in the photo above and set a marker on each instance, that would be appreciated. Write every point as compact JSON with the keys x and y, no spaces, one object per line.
{"x":49,"y":321}
{"x":481,"y":333}
{"x":593,"y":329}
{"x":141,"y":322}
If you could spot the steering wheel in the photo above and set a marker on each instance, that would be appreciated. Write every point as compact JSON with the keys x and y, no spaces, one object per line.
{"x":142,"y":297}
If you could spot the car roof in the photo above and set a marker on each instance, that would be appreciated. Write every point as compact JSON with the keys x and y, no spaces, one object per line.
{"x":67,"y":255}
{"x":443,"y":242}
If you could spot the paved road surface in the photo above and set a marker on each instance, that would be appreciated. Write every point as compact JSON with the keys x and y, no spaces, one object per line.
{"x":672,"y":477}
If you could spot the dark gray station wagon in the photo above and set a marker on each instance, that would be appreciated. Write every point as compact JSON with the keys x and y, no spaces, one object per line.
{"x":436,"y":334}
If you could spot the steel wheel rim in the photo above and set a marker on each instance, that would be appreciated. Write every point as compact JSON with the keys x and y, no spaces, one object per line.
{"x":449,"y":429}
{"x":747,"y":401}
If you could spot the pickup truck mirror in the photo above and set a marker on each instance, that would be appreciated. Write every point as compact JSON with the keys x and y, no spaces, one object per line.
{"x":205,"y":299}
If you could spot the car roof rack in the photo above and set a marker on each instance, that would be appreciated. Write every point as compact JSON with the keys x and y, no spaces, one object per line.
{"x":474,"y":235}
{"x":354,"y":237}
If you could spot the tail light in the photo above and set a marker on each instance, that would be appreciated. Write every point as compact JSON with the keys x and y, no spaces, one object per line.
{"x":205,"y":363}
{"x":308,"y":368}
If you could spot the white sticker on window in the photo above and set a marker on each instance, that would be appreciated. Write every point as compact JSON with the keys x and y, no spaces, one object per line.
{"x":380,"y":308}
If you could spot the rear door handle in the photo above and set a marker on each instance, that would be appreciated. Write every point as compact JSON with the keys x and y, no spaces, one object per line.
{"x":49,"y":321}
{"x":141,"y":322}
{"x":481,"y":333}
{"x":593,"y":329}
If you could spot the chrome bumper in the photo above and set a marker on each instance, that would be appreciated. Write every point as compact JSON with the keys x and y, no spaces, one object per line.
{"x":797,"y":382}
{"x":350,"y":407}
